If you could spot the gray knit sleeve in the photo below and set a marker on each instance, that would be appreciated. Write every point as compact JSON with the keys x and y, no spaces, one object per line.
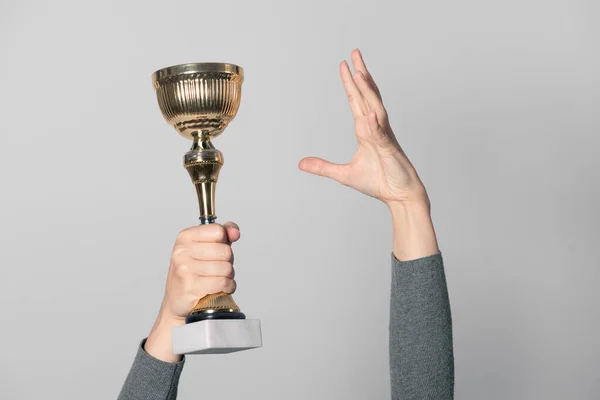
{"x":421,"y":355}
{"x":150,"y":378}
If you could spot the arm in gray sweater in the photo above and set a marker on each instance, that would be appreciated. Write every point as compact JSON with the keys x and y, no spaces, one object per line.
{"x":150,"y":378}
{"x":421,"y":358}
{"x":421,"y":355}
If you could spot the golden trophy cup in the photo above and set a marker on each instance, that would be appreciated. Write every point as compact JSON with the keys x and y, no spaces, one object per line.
{"x":199,"y":100}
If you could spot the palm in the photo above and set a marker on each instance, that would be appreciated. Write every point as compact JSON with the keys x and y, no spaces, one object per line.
{"x":379,"y":168}
{"x":377,"y":172}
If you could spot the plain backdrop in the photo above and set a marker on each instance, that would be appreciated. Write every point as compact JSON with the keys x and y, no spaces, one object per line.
{"x":497,"y":104}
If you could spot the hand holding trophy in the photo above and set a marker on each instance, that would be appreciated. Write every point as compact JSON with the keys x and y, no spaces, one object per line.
{"x":199,"y":100}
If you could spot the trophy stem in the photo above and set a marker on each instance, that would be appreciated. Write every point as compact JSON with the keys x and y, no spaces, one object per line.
{"x":202,"y":141}
{"x":203,"y":162}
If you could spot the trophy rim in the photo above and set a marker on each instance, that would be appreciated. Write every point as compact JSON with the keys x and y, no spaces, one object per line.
{"x":197,"y":67}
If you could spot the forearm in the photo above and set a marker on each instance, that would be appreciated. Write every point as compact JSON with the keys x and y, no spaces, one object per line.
{"x":421,"y":355}
{"x":420,"y":344}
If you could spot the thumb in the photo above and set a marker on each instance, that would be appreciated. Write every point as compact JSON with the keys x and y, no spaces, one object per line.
{"x":318,"y":166}
{"x":233,"y":231}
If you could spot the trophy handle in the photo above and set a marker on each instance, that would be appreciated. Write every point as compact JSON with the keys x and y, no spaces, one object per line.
{"x":203,"y":162}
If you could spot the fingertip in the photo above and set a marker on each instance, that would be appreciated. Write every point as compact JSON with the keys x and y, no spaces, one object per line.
{"x":231,"y":224}
{"x":345,"y":67}
{"x":233,"y":231}
{"x":233,"y":235}
{"x":304,"y":164}
{"x":301,"y":164}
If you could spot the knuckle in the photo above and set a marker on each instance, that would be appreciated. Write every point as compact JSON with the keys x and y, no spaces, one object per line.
{"x":185,"y":234}
{"x":177,"y":255}
{"x":178,"y":251}
{"x":181,"y":268}
{"x":181,"y":237}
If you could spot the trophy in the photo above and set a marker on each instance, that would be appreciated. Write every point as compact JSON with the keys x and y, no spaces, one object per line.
{"x":199,"y":100}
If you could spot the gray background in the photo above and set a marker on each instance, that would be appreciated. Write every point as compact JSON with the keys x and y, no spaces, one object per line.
{"x":496,"y":103}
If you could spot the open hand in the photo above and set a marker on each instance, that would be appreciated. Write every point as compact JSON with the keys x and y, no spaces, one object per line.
{"x":379,"y":168}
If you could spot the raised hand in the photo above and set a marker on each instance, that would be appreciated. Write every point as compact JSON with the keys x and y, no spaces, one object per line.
{"x":379,"y":168}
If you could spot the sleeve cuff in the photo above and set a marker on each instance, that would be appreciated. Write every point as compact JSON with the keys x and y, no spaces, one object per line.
{"x":419,"y":261}
{"x":151,"y":378}
{"x":148,"y":359}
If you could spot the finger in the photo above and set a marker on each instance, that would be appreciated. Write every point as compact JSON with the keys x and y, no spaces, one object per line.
{"x":209,"y":233}
{"x":318,"y":166}
{"x":209,"y":252}
{"x":355,"y":99}
{"x":233,"y":231}
{"x":209,"y":285}
{"x":210,"y":268}
{"x":373,"y":100}
{"x":381,"y":137}
{"x":358,"y":63}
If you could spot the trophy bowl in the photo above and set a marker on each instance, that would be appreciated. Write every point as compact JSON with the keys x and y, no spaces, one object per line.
{"x":199,"y":98}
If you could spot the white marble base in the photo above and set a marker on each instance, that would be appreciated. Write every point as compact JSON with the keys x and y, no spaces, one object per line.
{"x":217,"y":336}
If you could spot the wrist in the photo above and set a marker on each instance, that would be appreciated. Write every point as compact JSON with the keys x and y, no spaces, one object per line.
{"x":413,"y":197}
{"x":159,"y":343}
{"x":414,"y":235}
{"x":419,"y":205}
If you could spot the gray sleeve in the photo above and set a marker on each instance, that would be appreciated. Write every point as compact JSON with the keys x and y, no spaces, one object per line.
{"x":150,"y":378}
{"x":421,"y":355}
